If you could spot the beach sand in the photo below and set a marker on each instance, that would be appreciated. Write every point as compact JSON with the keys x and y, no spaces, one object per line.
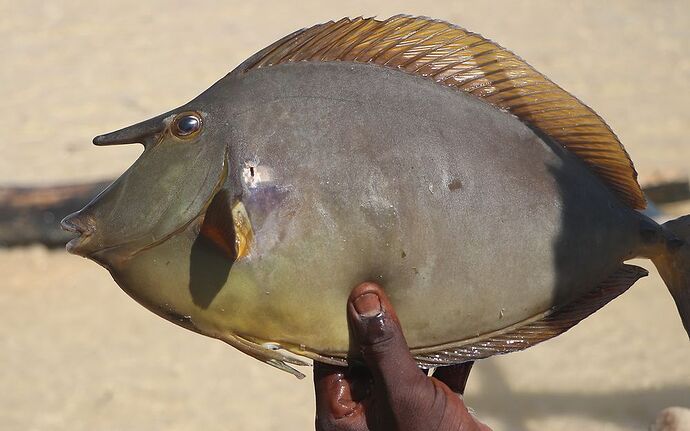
{"x":77,"y":354}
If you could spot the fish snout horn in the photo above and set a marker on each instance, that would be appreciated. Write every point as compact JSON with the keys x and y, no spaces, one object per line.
{"x":140,"y":133}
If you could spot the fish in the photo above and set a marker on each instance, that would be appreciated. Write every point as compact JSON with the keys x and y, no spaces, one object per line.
{"x":496,"y":209}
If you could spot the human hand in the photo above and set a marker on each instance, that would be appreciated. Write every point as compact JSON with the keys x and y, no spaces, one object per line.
{"x":392,"y":394}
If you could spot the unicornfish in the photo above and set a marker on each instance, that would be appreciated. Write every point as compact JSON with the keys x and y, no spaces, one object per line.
{"x":495,"y":208}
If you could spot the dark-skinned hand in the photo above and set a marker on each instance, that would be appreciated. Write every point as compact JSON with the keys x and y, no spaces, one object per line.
{"x":391,"y":393}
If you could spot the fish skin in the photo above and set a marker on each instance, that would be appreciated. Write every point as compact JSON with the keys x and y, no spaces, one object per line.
{"x":470,"y":219}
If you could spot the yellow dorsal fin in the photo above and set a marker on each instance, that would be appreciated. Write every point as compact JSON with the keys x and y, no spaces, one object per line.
{"x":457,"y":58}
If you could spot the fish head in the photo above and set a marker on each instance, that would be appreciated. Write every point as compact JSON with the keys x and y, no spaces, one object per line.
{"x":182,"y":167}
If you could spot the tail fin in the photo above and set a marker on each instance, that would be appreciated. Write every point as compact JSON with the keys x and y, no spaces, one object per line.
{"x":674,"y":265}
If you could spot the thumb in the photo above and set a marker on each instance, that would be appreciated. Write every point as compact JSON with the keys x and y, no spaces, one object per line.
{"x":378,"y":334}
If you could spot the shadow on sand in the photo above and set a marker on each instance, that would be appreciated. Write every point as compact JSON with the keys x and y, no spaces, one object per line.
{"x":637,"y":410}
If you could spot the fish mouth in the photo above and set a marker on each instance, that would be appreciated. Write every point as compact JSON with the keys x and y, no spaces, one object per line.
{"x":71,"y":224}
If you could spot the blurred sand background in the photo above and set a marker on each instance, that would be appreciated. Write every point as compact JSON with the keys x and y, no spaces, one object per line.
{"x":77,"y":354}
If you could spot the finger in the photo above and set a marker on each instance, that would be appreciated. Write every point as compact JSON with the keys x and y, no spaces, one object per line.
{"x":377,"y":331}
{"x":454,"y":376}
{"x":333,"y":396}
{"x":336,"y":410}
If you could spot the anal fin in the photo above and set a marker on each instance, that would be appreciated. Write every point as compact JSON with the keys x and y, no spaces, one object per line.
{"x":534,"y":331}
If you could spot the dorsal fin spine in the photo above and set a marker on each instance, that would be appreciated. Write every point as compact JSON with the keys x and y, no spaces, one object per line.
{"x":294,"y":45}
{"x":396,"y":42}
{"x":332,"y":39}
{"x":296,"y":41}
{"x":327,"y":31}
{"x":442,"y":57}
{"x":366,"y":42}
{"x":422,"y":54}
{"x":329,"y":55}
{"x":406,"y":42}
{"x":356,"y":42}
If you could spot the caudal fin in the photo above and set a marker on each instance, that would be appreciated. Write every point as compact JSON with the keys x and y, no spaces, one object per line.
{"x":674,"y":265}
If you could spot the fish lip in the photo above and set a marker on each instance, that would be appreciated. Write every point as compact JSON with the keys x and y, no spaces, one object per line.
{"x":83,"y":234}
{"x":75,"y":244}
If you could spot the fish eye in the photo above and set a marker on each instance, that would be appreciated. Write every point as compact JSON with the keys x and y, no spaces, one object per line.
{"x":186,"y":125}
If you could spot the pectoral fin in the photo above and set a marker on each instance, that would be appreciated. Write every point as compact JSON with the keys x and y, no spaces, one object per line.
{"x":227,"y":226}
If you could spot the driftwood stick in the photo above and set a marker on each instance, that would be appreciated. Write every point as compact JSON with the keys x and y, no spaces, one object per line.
{"x":32,"y":214}
{"x":666,"y":187}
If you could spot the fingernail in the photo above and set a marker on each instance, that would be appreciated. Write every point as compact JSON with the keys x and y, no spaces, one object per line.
{"x":368,"y":305}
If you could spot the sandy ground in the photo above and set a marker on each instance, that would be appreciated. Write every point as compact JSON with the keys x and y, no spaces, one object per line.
{"x":77,"y":354}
